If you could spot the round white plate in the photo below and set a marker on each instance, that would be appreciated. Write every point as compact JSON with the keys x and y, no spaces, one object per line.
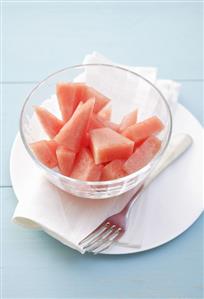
{"x":172,"y":203}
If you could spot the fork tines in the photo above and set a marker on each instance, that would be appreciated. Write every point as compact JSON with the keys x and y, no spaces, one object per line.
{"x":101,"y":238}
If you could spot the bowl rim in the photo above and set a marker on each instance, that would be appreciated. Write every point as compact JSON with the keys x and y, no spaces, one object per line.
{"x":96,"y":183}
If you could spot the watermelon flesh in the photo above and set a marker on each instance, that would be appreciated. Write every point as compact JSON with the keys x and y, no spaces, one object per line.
{"x":128,"y":120}
{"x":72,"y":133}
{"x":105,"y":112}
{"x":111,"y":125}
{"x":50,"y":123}
{"x":85,"y":168}
{"x":108,"y":123}
{"x":86,"y":144}
{"x":65,"y":159}
{"x":45,"y":152}
{"x":95,"y":122}
{"x":108,"y":145}
{"x":113,"y":170}
{"x":142,"y":155}
{"x":144,"y":129}
{"x":52,"y":145}
{"x":101,"y":100}
{"x":66,"y":99}
{"x":70,"y":94}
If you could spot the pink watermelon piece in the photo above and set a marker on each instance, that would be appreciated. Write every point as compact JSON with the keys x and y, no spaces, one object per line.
{"x":108,"y":145}
{"x":84,"y":167}
{"x":78,"y":106}
{"x":142,"y":155}
{"x":72,"y":133}
{"x":101,"y":100}
{"x":45,"y":152}
{"x":105,"y":112}
{"x":144,"y":129}
{"x":108,"y":124}
{"x":65,"y":159}
{"x":52,"y":145}
{"x":95,"y":122}
{"x":50,"y":123}
{"x":94,"y":173}
{"x":111,"y":125}
{"x":113,"y":170}
{"x":81,"y":92}
{"x":128,"y":120}
{"x":67,"y":100}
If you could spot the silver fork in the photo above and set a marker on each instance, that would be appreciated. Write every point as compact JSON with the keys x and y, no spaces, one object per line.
{"x":114,"y":227}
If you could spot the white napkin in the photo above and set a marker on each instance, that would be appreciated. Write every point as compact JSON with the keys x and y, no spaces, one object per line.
{"x":69,"y":219}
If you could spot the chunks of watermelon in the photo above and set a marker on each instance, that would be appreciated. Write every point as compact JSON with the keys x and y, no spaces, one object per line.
{"x":144,"y":129}
{"x":101,"y":100}
{"x":105,"y":112}
{"x":81,"y":92}
{"x":142,"y":155}
{"x":113,"y":170}
{"x":128,"y":120}
{"x":50,"y":123}
{"x":65,"y":160}
{"x":52,"y":145}
{"x":86,"y":144}
{"x":45,"y":152}
{"x":72,"y":133}
{"x":108,"y":123}
{"x":66,"y":95}
{"x":85,"y":168}
{"x":108,"y":145}
{"x":95,"y":122}
{"x":70,"y":94}
{"x":111,"y":125}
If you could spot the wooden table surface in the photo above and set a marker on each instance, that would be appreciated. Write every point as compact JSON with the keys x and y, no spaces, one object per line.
{"x":42,"y":37}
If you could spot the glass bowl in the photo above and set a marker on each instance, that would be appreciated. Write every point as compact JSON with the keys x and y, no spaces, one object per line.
{"x":127,"y":91}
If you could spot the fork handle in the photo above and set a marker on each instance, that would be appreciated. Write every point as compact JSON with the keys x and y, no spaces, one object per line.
{"x":177,"y":146}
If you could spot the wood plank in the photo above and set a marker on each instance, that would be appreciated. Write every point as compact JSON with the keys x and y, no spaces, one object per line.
{"x":13,"y":98}
{"x":40,"y":38}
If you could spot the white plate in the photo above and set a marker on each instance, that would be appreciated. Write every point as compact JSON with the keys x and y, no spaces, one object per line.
{"x":172,"y":203}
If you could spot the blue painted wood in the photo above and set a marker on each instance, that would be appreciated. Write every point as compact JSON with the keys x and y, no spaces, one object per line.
{"x":40,"y":38}
{"x":14,"y":96}
{"x":37,"y":266}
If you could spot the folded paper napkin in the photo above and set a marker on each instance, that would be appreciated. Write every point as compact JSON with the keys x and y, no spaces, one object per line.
{"x":69,"y":219}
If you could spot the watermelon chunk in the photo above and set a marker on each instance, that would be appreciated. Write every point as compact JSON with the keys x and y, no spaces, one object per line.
{"x":105,"y":112}
{"x":144,"y":129}
{"x":66,"y":99}
{"x":65,"y":160}
{"x":101,"y":100}
{"x":113,"y":170}
{"x":108,"y":145}
{"x":72,"y":133}
{"x":50,"y":123}
{"x":95,"y":122}
{"x":128,"y":120}
{"x":81,"y":92}
{"x":45,"y":153}
{"x":84,"y":167}
{"x":111,"y":125}
{"x":52,"y":145}
{"x":108,"y":124}
{"x":142,"y":155}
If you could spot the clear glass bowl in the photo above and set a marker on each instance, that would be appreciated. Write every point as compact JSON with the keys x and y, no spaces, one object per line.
{"x":127,"y":91}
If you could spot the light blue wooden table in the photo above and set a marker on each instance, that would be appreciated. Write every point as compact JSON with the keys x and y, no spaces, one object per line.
{"x":39,"y":38}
